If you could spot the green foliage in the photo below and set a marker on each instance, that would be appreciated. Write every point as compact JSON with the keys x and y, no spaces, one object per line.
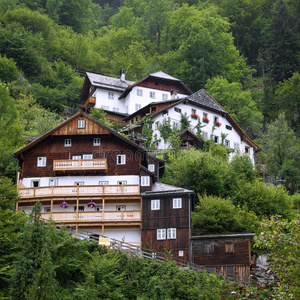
{"x":198,"y":128}
{"x":165,"y":129}
{"x":217,"y":215}
{"x":151,"y":140}
{"x":8,"y":194}
{"x":46,"y":121}
{"x":185,"y":123}
{"x":8,"y":69}
{"x":174,"y":143}
{"x":281,"y":238}
{"x":99,"y":115}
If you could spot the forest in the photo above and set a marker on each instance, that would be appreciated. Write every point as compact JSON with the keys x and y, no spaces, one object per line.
{"x":245,"y":53}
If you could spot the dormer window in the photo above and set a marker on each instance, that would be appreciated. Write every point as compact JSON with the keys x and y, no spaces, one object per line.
{"x":81,"y":123}
{"x":68,"y":143}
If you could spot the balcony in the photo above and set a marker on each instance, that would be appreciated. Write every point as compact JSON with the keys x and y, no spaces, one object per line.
{"x":96,"y":216}
{"x":74,"y":165}
{"x":79,"y":191}
{"x":91,"y":101}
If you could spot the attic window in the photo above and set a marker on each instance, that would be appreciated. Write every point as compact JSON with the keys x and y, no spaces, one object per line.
{"x":97,"y":142}
{"x":156,"y":83}
{"x":41,"y":161}
{"x":177,"y":109}
{"x":121,"y":159}
{"x":68,"y":143}
{"x":228,"y":127}
{"x":153,"y":109}
{"x":151,"y":167}
{"x":209,"y":249}
{"x":81,"y":123}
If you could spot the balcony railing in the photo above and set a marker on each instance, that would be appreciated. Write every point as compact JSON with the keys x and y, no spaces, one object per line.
{"x":97,"y":216}
{"x":91,"y":101}
{"x":80,"y":164}
{"x":81,"y":190}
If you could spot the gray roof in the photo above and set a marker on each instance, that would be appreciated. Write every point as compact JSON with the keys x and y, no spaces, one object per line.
{"x":164,"y":75}
{"x":108,"y":82}
{"x":203,"y":98}
{"x":158,"y":188}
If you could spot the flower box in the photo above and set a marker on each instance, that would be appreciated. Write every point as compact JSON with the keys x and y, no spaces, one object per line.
{"x":205,"y":120}
{"x":64,"y":204}
{"x":91,"y":204}
{"x":194,"y":116}
{"x":218,"y":124}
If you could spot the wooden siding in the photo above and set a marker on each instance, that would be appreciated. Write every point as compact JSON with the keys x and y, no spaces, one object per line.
{"x":53,"y":149}
{"x":160,"y":84}
{"x":241,"y":255}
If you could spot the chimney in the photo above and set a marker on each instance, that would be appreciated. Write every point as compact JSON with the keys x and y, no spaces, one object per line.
{"x":123,"y":74}
{"x":173,"y":94}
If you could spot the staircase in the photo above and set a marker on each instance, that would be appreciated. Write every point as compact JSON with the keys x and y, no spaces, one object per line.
{"x":143,"y":252}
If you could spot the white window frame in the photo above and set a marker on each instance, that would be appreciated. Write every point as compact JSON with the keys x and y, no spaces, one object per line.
{"x":216,"y":119}
{"x":236,"y":146}
{"x":78,"y":183}
{"x":205,"y":115}
{"x":152,"y":94}
{"x":180,"y":253}
{"x":81,"y":123}
{"x":121,"y":159}
{"x":68,"y":143}
{"x":145,"y":180}
{"x":121,"y":182}
{"x":155,"y":204}
{"x":97,"y":142}
{"x":47,"y":209}
{"x":205,"y":135}
{"x":216,"y":139}
{"x":54,"y":181}
{"x":76,"y":157}
{"x":120,"y":207}
{"x":177,"y":109}
{"x":41,"y":161}
{"x":177,"y":203}
{"x":160,"y":234}
{"x":87,"y":156}
{"x":171,"y":234}
{"x":110,"y":95}
{"x":227,"y":143}
{"x":103,"y":182}
{"x":138,"y":106}
{"x":164,"y":96}
{"x":139,"y":92}
{"x":156,"y":125}
{"x":116,"y":109}
{"x":105,"y":107}
{"x":35,"y":180}
{"x":151,"y":167}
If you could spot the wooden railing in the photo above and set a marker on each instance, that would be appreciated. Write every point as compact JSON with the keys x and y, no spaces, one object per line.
{"x":81,"y":190}
{"x":100,"y":216}
{"x":80,"y":164}
{"x":90,"y":101}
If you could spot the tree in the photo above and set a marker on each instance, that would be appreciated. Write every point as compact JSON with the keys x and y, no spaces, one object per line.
{"x":281,"y":239}
{"x":165,"y":129}
{"x":45,"y":121}
{"x":8,"y":69}
{"x":282,"y":153}
{"x":185,"y":123}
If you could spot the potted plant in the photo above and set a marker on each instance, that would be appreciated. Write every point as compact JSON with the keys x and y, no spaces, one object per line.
{"x":194,"y":116}
{"x":64,"y":204}
{"x":205,"y":120}
{"x":91,"y":204}
{"x":218,"y":124}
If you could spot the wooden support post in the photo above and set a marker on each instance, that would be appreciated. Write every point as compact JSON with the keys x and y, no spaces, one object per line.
{"x":17,"y":206}
{"x":51,"y":209}
{"x":77,"y":205}
{"x":102,"y":230}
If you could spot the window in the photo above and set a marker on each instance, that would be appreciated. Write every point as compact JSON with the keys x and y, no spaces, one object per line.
{"x":68,"y":143}
{"x":205,"y":115}
{"x":103,"y":182}
{"x":151,"y":167}
{"x":105,"y":107}
{"x":76,"y":157}
{"x":209,"y":249}
{"x":236,"y":146}
{"x":177,"y":203}
{"x":171,"y":233}
{"x":227,"y":143}
{"x":216,"y":119}
{"x":53,"y":182}
{"x":180,"y":253}
{"x":47,"y":209}
{"x":165,"y":96}
{"x":205,"y":135}
{"x":194,"y":111}
{"x":115,"y":109}
{"x":177,"y":109}
{"x":156,"y":125}
{"x":161,"y":234}
{"x":229,"y":248}
{"x":98,"y":208}
{"x":121,"y":159}
{"x":155,"y":204}
{"x":229,"y":270}
{"x":152,"y":95}
{"x":138,"y":106}
{"x":111,"y":96}
{"x":228,"y":127}
{"x":121,"y":207}
{"x":247,"y":150}
{"x":145,"y":180}
{"x":175,"y":125}
{"x":80,"y":208}
{"x":35,"y":183}
{"x":79,"y":183}
{"x":153,"y":109}
{"x":81,"y":123}
{"x":97,"y":142}
{"x":41,"y":161}
{"x":122,"y":182}
{"x":216,"y":139}
{"x":136,"y":119}
{"x":87,"y":156}
{"x":139,"y":92}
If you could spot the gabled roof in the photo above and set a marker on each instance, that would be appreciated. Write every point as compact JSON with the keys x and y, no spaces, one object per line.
{"x":60,"y":127}
{"x":162,"y":188}
{"x":160,"y":75}
{"x":186,"y":132}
